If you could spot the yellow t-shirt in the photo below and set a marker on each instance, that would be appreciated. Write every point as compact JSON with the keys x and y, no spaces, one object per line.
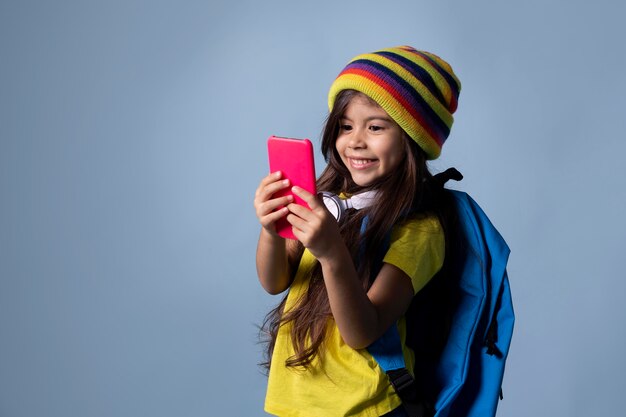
{"x":349,"y":382}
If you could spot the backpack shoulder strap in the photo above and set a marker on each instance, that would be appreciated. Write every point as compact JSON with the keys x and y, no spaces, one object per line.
{"x":387,"y":351}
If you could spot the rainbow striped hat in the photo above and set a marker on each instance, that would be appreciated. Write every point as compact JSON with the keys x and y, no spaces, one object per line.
{"x":416,"y":88}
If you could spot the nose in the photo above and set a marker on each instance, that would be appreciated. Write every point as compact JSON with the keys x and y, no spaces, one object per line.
{"x":357,"y":139}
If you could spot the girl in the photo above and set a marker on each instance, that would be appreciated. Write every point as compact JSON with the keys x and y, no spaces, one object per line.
{"x":390,"y":112}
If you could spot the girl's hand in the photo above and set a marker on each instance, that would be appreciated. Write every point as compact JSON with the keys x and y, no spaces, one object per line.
{"x":266,"y":206}
{"x":316,"y":228}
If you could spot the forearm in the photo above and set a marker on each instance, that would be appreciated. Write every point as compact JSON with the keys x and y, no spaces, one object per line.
{"x":272,"y":263}
{"x":356,"y":316}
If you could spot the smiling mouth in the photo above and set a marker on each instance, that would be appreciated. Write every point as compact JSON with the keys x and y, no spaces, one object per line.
{"x":361,"y":163}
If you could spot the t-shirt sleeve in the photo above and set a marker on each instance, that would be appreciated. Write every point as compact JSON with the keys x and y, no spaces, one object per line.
{"x":417,"y":248}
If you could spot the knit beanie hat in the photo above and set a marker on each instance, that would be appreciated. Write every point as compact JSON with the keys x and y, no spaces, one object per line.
{"x":416,"y":88}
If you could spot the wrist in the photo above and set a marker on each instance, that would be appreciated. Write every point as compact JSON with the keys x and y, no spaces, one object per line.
{"x":335,"y":256}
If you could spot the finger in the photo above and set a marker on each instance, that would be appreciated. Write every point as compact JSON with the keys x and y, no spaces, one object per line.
{"x":301,"y":192}
{"x":299,"y":234}
{"x":268,"y":179}
{"x":271,"y":205}
{"x":271,"y":177}
{"x":301,"y":211}
{"x":268,"y":220}
{"x":312,"y":200}
{"x":297,"y":222}
{"x":272,"y":188}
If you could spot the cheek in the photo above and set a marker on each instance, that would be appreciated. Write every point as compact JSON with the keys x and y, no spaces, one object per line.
{"x":395,"y":155}
{"x":338,"y":151}
{"x":340,"y":145}
{"x":394,"y":162}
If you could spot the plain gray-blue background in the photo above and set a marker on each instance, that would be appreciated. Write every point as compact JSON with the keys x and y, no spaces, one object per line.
{"x":132,"y":138}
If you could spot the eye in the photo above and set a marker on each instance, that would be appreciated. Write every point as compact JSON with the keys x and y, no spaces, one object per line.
{"x":345,"y":127}
{"x":376,"y":128}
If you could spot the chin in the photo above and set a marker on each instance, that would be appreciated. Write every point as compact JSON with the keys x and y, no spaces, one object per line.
{"x":363,"y":182}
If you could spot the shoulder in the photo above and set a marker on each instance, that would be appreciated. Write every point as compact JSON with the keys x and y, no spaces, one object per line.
{"x":418,"y":225}
{"x":418,"y":230}
{"x":417,"y":247}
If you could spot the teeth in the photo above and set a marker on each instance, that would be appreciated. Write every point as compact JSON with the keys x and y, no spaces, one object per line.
{"x":361,"y":161}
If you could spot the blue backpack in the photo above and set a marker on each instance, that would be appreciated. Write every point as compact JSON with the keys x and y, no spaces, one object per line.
{"x":459,"y":326}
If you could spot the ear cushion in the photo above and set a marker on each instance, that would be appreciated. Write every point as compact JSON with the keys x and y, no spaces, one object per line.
{"x":334,"y":204}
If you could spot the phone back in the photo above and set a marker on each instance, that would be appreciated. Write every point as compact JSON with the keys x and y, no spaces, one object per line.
{"x":294,"y":158}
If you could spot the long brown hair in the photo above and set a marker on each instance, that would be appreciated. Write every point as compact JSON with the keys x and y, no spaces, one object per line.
{"x":405,"y":191}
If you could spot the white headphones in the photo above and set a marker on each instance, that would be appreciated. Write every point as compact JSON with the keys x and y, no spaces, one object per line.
{"x":338,"y":206}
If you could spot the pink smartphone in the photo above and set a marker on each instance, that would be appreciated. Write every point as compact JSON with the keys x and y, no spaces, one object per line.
{"x":294,"y":158}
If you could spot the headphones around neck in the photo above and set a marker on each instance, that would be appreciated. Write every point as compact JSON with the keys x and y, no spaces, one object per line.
{"x":338,"y":206}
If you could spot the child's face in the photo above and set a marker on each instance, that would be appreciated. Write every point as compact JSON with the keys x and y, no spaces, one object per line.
{"x":370,"y":143}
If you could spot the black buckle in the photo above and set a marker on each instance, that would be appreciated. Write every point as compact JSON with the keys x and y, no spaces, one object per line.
{"x":403,"y":383}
